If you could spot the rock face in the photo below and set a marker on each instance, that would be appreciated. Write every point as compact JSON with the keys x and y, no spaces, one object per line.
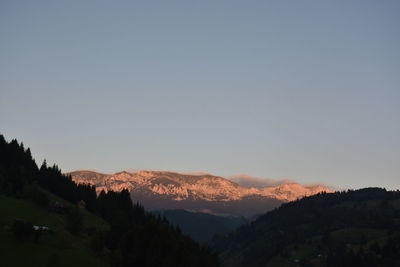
{"x":203,"y":192}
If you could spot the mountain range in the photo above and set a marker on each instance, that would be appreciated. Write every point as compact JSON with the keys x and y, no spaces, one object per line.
{"x":52,"y":221}
{"x":200,"y":192}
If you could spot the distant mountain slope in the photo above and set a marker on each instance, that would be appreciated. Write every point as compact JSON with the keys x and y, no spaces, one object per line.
{"x":354,"y":228}
{"x":202,"y":226}
{"x":171,"y":190}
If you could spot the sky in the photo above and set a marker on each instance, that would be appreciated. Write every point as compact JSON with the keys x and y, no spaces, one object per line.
{"x":300,"y":90}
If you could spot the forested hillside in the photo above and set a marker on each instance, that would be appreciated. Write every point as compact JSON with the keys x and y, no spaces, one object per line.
{"x":352,"y":228}
{"x":126,"y":235}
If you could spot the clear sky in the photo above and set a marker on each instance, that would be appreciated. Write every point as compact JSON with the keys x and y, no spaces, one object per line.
{"x":305,"y":90}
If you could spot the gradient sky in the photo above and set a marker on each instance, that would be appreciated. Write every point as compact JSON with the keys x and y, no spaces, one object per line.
{"x":305,"y":90}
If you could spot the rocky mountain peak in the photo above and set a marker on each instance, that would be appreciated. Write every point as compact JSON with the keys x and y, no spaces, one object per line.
{"x":180,"y":186}
{"x":172,"y":190}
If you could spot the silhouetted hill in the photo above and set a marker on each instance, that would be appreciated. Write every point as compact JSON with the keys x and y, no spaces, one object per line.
{"x":353,"y":228}
{"x":132,"y":237}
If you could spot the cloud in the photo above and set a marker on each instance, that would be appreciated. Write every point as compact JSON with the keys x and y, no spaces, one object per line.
{"x":197,"y":173}
{"x":330,"y":187}
{"x":257,"y":182}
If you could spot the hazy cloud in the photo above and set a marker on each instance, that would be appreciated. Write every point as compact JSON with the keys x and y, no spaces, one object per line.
{"x":257,"y":182}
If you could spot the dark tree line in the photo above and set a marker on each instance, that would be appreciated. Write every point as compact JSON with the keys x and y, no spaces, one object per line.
{"x":51,"y":179}
{"x":135,"y":238}
{"x":314,"y":219}
{"x":18,"y":171}
{"x":371,"y":255}
{"x":17,"y":167}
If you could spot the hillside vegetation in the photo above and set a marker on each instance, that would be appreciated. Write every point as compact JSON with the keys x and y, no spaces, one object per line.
{"x":353,"y":228}
{"x":75,"y":227}
{"x":53,"y":247}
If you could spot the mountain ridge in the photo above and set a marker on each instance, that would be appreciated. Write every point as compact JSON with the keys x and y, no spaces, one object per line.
{"x":183,"y":186}
{"x":172,"y":190}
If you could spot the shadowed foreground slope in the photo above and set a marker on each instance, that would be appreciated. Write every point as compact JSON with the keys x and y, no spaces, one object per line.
{"x":125,"y":236}
{"x":353,"y":228}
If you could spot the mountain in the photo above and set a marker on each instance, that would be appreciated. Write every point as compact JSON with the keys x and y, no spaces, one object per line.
{"x":200,"y":192}
{"x":352,"y":228}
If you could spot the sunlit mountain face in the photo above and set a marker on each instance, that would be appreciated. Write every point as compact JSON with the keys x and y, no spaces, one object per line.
{"x":199,"y":192}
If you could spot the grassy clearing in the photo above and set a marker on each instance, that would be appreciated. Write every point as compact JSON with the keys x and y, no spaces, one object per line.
{"x":56,"y":247}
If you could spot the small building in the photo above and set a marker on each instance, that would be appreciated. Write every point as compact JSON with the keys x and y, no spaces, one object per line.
{"x":40,"y":228}
{"x":81,"y":204}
